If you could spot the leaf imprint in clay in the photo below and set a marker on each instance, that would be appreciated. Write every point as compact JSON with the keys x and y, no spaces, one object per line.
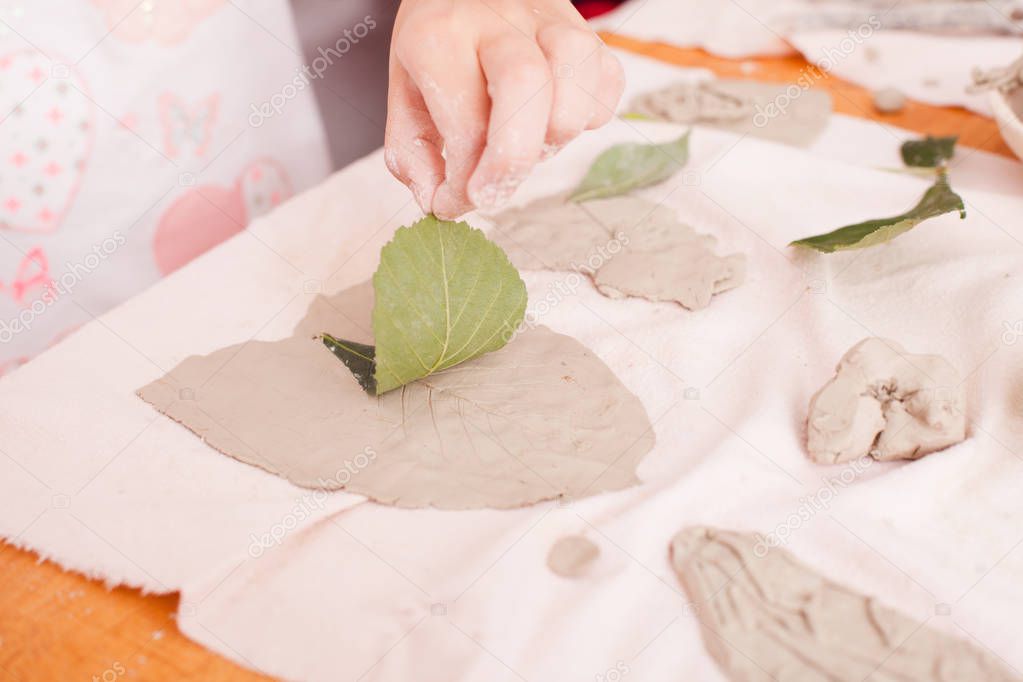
{"x":669,"y":261}
{"x":629,"y":166}
{"x":886,"y":403}
{"x":627,"y":245}
{"x":541,"y":419}
{"x":741,"y":106}
{"x":769,"y":617}
{"x":444,"y":294}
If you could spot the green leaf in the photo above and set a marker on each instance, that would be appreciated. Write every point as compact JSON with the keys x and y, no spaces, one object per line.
{"x":444,"y":294}
{"x":626,"y":167}
{"x":358,"y":357}
{"x":938,"y":200}
{"x":917,"y":172}
{"x":929,"y":152}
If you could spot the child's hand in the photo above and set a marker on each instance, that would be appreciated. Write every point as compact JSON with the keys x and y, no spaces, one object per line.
{"x":497,"y":85}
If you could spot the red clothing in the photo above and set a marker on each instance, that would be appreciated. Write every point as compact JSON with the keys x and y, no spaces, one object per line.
{"x":592,"y":8}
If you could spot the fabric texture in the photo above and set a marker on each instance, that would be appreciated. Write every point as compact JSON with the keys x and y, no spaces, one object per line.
{"x":308,"y":586}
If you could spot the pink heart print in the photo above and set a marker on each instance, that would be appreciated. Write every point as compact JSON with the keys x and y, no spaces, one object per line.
{"x":47,"y":140}
{"x":206,"y":215}
{"x":165,"y":22}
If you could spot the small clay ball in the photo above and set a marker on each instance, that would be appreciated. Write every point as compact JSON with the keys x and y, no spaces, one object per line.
{"x":571,"y":556}
{"x":889,"y":100}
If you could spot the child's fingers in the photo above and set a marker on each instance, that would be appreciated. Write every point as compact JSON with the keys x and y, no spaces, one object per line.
{"x":610,"y":85}
{"x":412,"y":143}
{"x":520,"y":89}
{"x":574,"y":57}
{"x":476,"y":94}
{"x":447,"y":74}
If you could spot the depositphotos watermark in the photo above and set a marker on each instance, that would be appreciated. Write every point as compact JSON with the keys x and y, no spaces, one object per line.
{"x":74,"y":273}
{"x":1012,"y":332}
{"x":314,"y":70}
{"x":810,"y":506}
{"x":111,"y":674}
{"x":811,"y":74}
{"x":563,"y":288}
{"x":615,"y":674}
{"x":309,"y":504}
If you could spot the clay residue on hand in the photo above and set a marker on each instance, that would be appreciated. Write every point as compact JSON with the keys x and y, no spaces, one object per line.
{"x":886,"y":403}
{"x":571,"y":556}
{"x":540,"y":419}
{"x":770,"y":617}
{"x":627,"y":245}
{"x":740,"y":106}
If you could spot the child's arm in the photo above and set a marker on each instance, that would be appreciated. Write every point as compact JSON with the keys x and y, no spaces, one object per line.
{"x":497,"y":84}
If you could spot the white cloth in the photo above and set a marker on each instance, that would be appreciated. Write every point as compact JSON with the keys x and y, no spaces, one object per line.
{"x":729,"y":29}
{"x":359,"y":588}
{"x":928,"y":67}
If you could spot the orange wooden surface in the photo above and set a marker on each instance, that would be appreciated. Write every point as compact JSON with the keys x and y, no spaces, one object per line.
{"x":973,"y":130}
{"x":60,"y":626}
{"x":56,"y":625}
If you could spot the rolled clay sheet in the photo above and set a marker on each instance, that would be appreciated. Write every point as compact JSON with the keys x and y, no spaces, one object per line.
{"x":540,"y":419}
{"x":631,"y":247}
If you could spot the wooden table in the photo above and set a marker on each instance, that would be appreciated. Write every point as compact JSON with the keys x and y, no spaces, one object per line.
{"x":973,"y":130}
{"x":61,"y":626}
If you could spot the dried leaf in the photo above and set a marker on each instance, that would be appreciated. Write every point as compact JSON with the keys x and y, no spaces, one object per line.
{"x":358,"y":357}
{"x":938,"y":200}
{"x":629,"y":166}
{"x":444,"y":294}
{"x":929,"y":152}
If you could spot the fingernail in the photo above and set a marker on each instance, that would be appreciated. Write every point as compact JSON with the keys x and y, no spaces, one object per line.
{"x":447,"y":204}
{"x":423,"y":196}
